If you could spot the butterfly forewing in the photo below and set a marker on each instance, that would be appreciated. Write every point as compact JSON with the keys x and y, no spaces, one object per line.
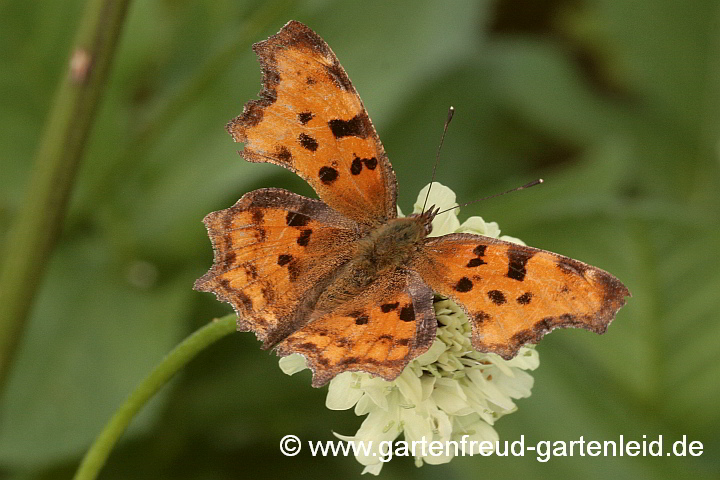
{"x":311,"y":120}
{"x":515,"y":294}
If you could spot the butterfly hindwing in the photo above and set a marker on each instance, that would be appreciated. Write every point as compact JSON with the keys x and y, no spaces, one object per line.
{"x":515,"y":294}
{"x":274,"y":253}
{"x":310,"y":119}
{"x":378,"y":333}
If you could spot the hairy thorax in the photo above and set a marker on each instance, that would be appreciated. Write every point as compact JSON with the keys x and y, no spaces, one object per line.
{"x":383,"y":250}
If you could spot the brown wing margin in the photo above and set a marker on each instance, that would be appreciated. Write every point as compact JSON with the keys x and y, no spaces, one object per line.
{"x":310,"y":120}
{"x":515,"y":294}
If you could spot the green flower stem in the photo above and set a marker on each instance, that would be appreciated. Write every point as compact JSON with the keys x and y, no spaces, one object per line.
{"x":174,"y":361}
{"x":39,"y":219}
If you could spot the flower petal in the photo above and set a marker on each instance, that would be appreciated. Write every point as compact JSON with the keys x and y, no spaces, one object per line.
{"x":343,"y":392}
{"x":526,"y":359}
{"x":476,"y":430}
{"x":441,"y":197}
{"x":377,"y":390}
{"x":410,"y":386}
{"x":435,"y":350}
{"x":479,"y":226}
{"x":292,"y":364}
{"x":508,"y":238}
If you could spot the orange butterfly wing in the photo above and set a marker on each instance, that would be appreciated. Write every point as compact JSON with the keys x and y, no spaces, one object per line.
{"x":310,"y":119}
{"x":515,"y":294}
{"x":378,"y":338}
{"x":275,"y":251}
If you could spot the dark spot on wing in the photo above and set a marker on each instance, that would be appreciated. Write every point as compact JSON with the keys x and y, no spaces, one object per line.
{"x":293,"y":271}
{"x":389,"y":307}
{"x":308,"y":142}
{"x":310,"y":80}
{"x":517,"y":259}
{"x":327,"y":175}
{"x":257,"y":216}
{"x":407,"y":313}
{"x":356,"y":166}
{"x":370,"y":163}
{"x":525,"y":298}
{"x":402,"y":341}
{"x":304,"y":237}
{"x":464,"y":285}
{"x":283,"y":154}
{"x":481,"y":317}
{"x":284,"y":259}
{"x":296,"y":219}
{"x":479,"y":252}
{"x":260,"y":234}
{"x":497,"y":297}
{"x":358,"y":126}
{"x":475,"y":262}
{"x":305,"y":117}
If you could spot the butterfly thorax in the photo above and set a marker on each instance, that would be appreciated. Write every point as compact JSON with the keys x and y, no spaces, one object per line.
{"x":382,"y":251}
{"x":391,"y":245}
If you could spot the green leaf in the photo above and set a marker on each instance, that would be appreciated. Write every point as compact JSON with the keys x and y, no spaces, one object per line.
{"x":98,"y":327}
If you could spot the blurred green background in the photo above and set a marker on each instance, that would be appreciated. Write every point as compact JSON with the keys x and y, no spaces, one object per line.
{"x":615,"y":104}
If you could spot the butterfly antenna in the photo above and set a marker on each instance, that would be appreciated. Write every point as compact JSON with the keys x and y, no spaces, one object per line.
{"x":451,"y":112}
{"x":523,"y":187}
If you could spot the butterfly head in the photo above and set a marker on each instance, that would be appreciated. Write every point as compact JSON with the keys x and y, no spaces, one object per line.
{"x":426,"y":218}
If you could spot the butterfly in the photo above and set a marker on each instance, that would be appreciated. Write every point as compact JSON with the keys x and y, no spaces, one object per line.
{"x":343,"y":280}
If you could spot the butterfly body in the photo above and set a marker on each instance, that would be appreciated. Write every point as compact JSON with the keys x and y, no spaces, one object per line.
{"x":342,"y":280}
{"x":387,"y":249}
{"x":393,"y":244}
